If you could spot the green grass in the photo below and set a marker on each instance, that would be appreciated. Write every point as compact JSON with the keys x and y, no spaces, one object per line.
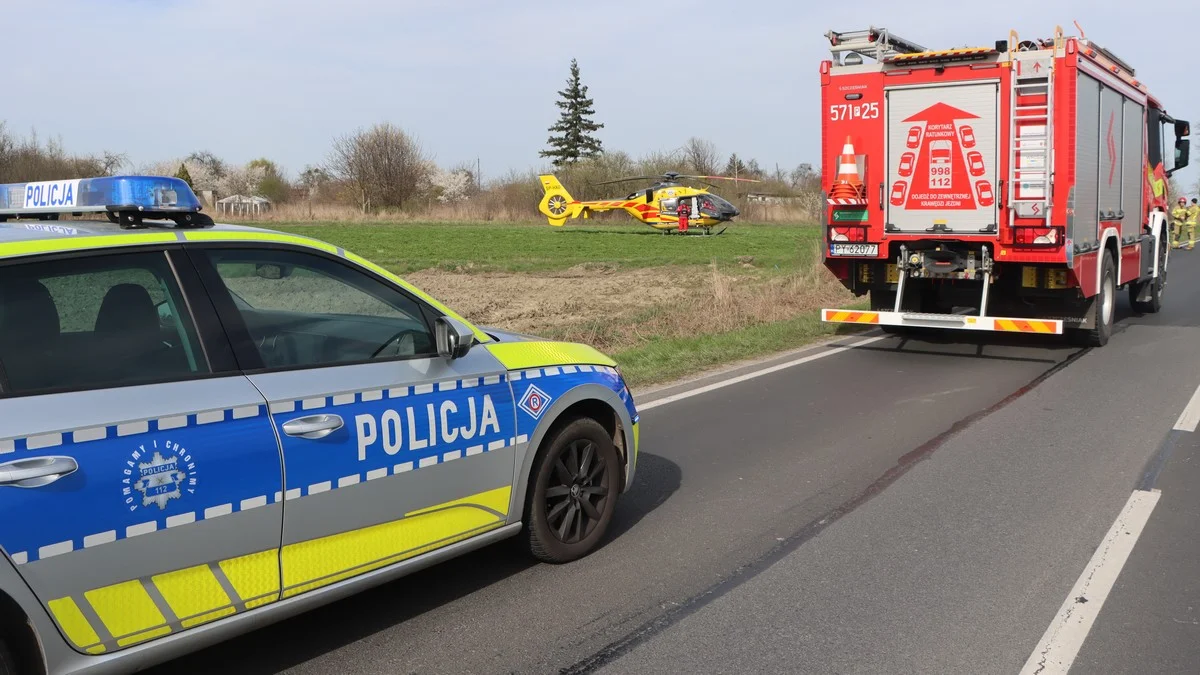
{"x":669,"y":359}
{"x":515,"y":247}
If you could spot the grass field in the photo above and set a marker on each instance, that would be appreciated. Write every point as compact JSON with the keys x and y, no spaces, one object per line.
{"x":663,"y":306}
{"x":509,"y":247}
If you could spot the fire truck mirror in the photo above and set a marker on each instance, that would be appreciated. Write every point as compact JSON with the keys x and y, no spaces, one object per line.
{"x":1182,"y":129}
{"x":1183,"y":149}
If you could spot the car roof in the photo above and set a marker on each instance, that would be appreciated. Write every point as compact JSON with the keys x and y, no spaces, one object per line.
{"x":32,"y":237}
{"x":37,"y":230}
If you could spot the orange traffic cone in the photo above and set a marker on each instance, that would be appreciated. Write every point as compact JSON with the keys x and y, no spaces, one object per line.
{"x":847,"y":187}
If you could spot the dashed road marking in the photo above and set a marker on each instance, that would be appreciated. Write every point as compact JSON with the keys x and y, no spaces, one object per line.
{"x":1189,"y":419}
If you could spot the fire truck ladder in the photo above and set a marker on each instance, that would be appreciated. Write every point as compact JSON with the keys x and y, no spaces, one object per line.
{"x":873,"y":43}
{"x":1031,"y":128}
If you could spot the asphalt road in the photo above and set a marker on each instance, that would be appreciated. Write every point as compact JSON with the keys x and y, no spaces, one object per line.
{"x":901,"y":506}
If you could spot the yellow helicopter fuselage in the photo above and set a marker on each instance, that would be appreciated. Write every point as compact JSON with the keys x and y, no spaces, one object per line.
{"x":656,"y":206}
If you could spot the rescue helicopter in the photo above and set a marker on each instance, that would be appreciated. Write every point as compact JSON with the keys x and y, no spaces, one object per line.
{"x":657,"y":205}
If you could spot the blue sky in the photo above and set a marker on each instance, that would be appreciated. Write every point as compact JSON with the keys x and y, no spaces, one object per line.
{"x":280,"y":78}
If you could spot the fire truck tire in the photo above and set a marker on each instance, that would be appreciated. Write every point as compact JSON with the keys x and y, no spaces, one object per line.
{"x":1105,"y":305}
{"x":1158,"y":286}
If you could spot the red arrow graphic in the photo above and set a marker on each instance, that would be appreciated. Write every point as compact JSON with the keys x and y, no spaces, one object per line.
{"x":940,"y":180}
{"x":940,"y":113}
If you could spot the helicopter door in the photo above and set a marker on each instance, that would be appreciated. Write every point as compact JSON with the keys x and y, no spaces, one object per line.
{"x":669,"y":206}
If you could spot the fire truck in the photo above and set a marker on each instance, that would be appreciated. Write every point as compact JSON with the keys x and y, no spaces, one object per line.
{"x":1010,"y":188}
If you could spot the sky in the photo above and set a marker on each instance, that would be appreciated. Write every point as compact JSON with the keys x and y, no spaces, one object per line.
{"x":477,"y":80}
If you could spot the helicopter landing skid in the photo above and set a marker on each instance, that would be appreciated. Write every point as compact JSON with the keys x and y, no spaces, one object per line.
{"x":696,"y":232}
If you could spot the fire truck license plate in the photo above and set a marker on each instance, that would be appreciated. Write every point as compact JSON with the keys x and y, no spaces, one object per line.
{"x":858,"y":250}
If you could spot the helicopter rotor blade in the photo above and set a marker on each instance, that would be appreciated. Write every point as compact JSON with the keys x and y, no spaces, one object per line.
{"x":740,"y":180}
{"x":626,"y":180}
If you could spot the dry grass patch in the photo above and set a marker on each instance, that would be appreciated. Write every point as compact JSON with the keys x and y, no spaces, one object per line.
{"x":616,"y":310}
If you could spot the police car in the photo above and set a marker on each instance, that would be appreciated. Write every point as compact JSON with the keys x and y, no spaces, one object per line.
{"x":206,"y":428}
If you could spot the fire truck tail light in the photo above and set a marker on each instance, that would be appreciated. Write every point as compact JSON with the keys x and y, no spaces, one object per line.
{"x":854,"y":234}
{"x":1037,"y":236}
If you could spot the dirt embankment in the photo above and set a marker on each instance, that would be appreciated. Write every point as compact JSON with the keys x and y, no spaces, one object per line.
{"x":617,"y":309}
{"x":553,"y":301}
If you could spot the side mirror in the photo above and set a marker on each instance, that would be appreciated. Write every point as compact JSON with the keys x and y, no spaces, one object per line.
{"x":454,"y":338}
{"x":1182,"y":129}
{"x":164,"y":313}
{"x":269,"y":271}
{"x":1183,"y":149}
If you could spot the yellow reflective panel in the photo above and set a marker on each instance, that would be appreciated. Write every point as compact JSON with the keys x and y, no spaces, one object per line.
{"x":73,"y":623}
{"x":268,"y":237}
{"x":308,"y":565}
{"x":191,"y":592}
{"x":254,"y":577}
{"x":63,"y":244}
{"x":126,"y":609}
{"x":518,"y":355}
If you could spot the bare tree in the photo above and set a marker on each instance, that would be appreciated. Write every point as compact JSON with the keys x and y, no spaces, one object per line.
{"x":28,"y":159}
{"x":385,"y":165}
{"x":112,"y":162}
{"x":701,"y":155}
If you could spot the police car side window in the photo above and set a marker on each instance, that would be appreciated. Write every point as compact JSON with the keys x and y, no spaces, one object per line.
{"x":87,"y":323}
{"x":304,"y":310}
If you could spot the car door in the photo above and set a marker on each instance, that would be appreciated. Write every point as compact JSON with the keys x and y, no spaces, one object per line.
{"x":140,"y":476}
{"x":389,"y":450}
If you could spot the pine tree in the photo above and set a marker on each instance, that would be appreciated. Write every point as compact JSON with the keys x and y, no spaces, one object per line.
{"x":183,"y":175}
{"x":735,"y":167}
{"x":572,"y":136}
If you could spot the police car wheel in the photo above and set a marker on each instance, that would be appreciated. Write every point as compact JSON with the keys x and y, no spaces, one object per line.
{"x":573,"y":493}
{"x":8,"y":664}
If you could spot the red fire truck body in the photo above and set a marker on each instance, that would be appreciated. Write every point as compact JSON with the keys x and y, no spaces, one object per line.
{"x":1026,"y":181}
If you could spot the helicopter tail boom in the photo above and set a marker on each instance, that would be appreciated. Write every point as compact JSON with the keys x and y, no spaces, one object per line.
{"x":557,"y":204}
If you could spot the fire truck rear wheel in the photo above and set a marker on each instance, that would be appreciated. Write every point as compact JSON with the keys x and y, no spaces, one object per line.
{"x":1105,"y":305}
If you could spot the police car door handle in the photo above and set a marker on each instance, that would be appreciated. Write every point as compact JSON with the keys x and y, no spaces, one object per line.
{"x":37,"y":471}
{"x":313,"y":426}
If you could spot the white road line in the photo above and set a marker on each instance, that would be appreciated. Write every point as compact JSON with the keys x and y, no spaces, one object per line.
{"x":1061,"y":642}
{"x":1190,"y":418}
{"x":758,"y":373}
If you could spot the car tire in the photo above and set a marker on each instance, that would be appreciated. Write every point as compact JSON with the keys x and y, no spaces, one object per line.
{"x":1105,"y":304}
{"x":573,"y":492}
{"x":8,"y":662}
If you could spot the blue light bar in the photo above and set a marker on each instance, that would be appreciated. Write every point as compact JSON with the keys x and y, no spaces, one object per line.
{"x":147,"y":196}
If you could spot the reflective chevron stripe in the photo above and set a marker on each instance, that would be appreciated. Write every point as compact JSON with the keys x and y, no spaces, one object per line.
{"x":1025,"y":326}
{"x":121,"y":615}
{"x":945,"y":321}
{"x":839,"y":316}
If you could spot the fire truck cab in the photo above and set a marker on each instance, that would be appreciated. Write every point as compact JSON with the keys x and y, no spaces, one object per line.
{"x":1009,"y":188}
